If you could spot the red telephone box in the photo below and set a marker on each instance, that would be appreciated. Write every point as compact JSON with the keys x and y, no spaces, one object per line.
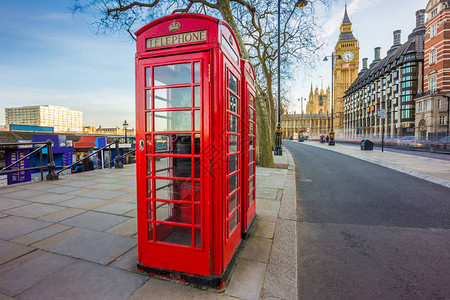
{"x":188,"y":119}
{"x":248,"y":145}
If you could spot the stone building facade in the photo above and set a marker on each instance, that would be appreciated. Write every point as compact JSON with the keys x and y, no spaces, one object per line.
{"x":432,"y":106}
{"x":391,"y":83}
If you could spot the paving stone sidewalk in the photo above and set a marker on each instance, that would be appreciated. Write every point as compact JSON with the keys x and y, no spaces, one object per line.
{"x":76,"y":238}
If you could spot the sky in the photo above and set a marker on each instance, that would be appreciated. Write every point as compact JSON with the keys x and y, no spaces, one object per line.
{"x":50,"y":57}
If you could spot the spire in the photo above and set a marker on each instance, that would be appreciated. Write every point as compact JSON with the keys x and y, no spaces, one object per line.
{"x":346,"y":18}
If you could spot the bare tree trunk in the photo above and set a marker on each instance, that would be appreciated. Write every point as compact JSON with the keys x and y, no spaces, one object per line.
{"x":265,"y":126}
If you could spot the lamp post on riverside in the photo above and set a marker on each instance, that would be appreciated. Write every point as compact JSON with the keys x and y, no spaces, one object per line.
{"x":333,"y":57}
{"x":125,"y":126}
{"x":300,"y":4}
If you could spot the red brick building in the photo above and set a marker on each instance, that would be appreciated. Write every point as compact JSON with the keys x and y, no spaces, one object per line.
{"x":432,"y":109}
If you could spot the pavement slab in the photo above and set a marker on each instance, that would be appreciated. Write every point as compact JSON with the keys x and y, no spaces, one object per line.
{"x":84,"y":280}
{"x":162,"y":289}
{"x":41,"y":234}
{"x":267,"y":193}
{"x":33,"y":210}
{"x":95,"y":221}
{"x":83,"y":202}
{"x":23,"y":194}
{"x":100,"y":194}
{"x":246,"y":280}
{"x":263,"y":229}
{"x":98,"y":247}
{"x":62,"y":214}
{"x":127,"y":261}
{"x":50,"y":198}
{"x":257,"y":249}
{"x":6,"y":203}
{"x":117,"y":207}
{"x":10,"y":251}
{"x":12,"y":227}
{"x":106,"y":186}
{"x":127,"y":228}
{"x":30,"y":271}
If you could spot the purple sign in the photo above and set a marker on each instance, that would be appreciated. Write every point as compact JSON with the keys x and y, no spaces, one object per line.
{"x":13,"y":157}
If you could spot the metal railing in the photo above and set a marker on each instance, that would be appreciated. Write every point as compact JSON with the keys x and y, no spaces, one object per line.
{"x":117,"y":160}
{"x":50,"y":166}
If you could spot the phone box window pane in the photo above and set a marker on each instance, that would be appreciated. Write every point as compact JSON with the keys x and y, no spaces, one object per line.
{"x":232,"y":123}
{"x":196,"y":72}
{"x":232,"y":163}
{"x":232,"y":223}
{"x":251,"y":154}
{"x":148,"y":117}
{"x":250,"y":170}
{"x":173,"y":121}
{"x":198,"y":238}
{"x":173,"y":143}
{"x":148,"y":77}
{"x":197,"y":143}
{"x":148,"y":145}
{"x":232,"y":183}
{"x":197,"y":96}
{"x":232,"y":143}
{"x":169,"y":189}
{"x":149,"y":188}
{"x":197,"y":214}
{"x":232,"y":103}
{"x":172,"y":234}
{"x":251,"y":114}
{"x":251,"y":198}
{"x":232,"y":203}
{"x":163,"y":166}
{"x":197,"y":191}
{"x":197,"y":120}
{"x":174,"y":212}
{"x":149,"y":210}
{"x":149,"y":166}
{"x":174,"y":97}
{"x":197,"y":167}
{"x":233,"y":83}
{"x":172,"y":74}
{"x":251,"y":142}
{"x":251,"y":182}
{"x":148,"y":99}
{"x":150,"y":231}
{"x":250,"y":128}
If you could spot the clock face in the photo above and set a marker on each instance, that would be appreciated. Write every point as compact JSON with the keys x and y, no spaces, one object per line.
{"x":348,"y":56}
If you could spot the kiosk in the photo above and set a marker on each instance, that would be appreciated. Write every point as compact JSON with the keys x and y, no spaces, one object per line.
{"x":248,"y":145}
{"x":188,"y":133}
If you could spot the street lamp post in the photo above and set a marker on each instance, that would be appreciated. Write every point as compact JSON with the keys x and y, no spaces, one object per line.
{"x":333,"y":57}
{"x":125,"y":126}
{"x":278,"y":151}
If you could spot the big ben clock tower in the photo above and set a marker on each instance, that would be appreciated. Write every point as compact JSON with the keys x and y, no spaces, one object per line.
{"x":345,"y":69}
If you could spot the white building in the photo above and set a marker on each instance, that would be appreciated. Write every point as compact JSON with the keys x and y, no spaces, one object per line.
{"x":61,"y":118}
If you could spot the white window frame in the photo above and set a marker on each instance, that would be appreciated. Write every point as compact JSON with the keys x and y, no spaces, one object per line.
{"x":439,"y":103}
{"x":433,"y":30}
{"x":432,"y":85}
{"x":433,"y":56}
{"x":442,"y":120}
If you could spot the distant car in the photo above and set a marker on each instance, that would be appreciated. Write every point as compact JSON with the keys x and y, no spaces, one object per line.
{"x":441,"y":145}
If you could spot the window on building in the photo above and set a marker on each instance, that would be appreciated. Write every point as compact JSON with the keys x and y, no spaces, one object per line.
{"x":440,"y":103}
{"x":434,"y":12}
{"x":442,"y":120}
{"x":432,"y":84}
{"x":433,"y":56}
{"x":434,"y":30}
